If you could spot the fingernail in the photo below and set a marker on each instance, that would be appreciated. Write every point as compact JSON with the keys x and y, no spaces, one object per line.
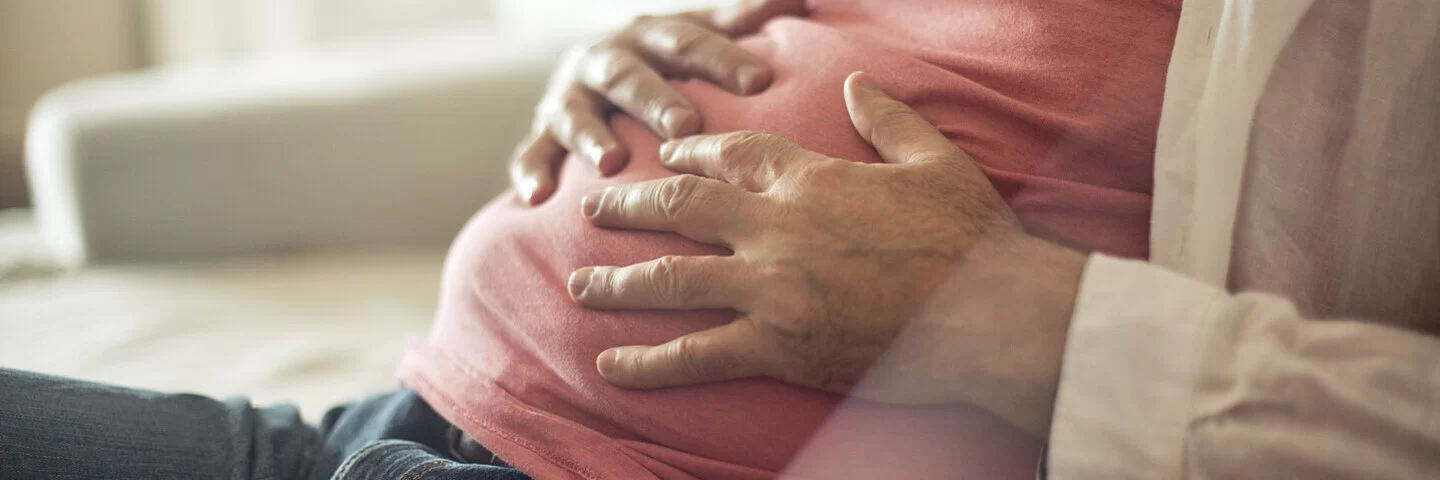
{"x":863,"y":80}
{"x":594,"y":151}
{"x":673,"y":120}
{"x":608,"y":362}
{"x":748,"y":77}
{"x":667,"y":150}
{"x":590,"y":205}
{"x":579,"y":279}
{"x":525,"y":187}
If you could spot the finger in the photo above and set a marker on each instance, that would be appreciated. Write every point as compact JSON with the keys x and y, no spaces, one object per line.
{"x":673,"y":282}
{"x":686,"y":49}
{"x":749,"y":160}
{"x":577,"y":122}
{"x":701,"y":209}
{"x":898,"y":133}
{"x":747,"y":16}
{"x":627,"y":82}
{"x":726,"y":352}
{"x":532,"y":171}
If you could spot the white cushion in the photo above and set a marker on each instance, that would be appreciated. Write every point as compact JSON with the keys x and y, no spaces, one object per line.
{"x":392,"y":145}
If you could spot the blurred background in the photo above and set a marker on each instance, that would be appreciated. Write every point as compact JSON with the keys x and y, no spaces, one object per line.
{"x":254,"y":197}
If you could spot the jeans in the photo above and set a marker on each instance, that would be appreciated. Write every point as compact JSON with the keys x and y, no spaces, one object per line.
{"x":59,"y":428}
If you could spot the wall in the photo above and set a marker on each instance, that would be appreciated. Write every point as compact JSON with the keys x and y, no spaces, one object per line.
{"x":44,"y":43}
{"x":575,"y":16}
{"x":197,"y":31}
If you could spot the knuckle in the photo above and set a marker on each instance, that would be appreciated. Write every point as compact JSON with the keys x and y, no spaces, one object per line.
{"x":776,"y":278}
{"x":676,"y":194}
{"x":751,"y":154}
{"x":822,"y":174}
{"x":612,"y":68}
{"x":663,"y":276}
{"x":686,"y":351}
{"x":741,"y":144}
{"x":693,"y":361}
{"x":680,"y":39}
{"x":792,"y":304}
{"x":561,"y":115}
{"x":795,"y":309}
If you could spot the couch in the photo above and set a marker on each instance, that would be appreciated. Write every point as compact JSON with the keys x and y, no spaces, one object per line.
{"x":271,"y":227}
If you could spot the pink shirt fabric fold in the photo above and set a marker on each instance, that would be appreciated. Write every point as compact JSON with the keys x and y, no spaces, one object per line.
{"x":1058,"y":102}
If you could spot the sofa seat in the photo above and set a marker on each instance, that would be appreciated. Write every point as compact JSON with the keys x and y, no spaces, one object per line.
{"x":314,"y":329}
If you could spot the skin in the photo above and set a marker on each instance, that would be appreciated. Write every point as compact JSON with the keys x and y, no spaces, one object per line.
{"x":906,"y":282}
{"x":628,"y":71}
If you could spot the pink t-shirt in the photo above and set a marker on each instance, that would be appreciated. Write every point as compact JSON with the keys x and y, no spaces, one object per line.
{"x":1059,"y":103}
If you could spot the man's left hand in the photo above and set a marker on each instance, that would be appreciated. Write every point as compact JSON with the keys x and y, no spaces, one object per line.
{"x":908,"y":282}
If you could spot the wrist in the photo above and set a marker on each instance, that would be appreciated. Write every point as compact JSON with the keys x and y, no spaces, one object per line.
{"x":1026,"y":287}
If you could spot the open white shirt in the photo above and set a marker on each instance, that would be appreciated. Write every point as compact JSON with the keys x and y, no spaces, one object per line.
{"x":1299,"y":156}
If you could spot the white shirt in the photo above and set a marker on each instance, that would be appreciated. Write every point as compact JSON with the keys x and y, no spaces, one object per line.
{"x":1298,"y":155}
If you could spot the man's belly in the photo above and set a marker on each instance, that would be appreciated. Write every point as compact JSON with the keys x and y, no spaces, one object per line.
{"x":511,"y":358}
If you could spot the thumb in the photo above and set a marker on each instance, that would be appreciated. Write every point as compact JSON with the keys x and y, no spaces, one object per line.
{"x":893,"y":128}
{"x":720,"y":353}
{"x":747,"y":16}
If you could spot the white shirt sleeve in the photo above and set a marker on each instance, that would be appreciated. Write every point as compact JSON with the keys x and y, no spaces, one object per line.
{"x":1168,"y":377}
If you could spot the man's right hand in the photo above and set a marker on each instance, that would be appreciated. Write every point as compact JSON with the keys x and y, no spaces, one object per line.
{"x":627,"y":71}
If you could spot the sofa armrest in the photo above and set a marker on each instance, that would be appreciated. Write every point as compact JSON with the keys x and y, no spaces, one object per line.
{"x":372,"y":147}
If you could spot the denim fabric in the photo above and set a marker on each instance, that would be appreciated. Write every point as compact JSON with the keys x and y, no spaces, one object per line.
{"x":401,"y":459}
{"x":60,"y":428}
